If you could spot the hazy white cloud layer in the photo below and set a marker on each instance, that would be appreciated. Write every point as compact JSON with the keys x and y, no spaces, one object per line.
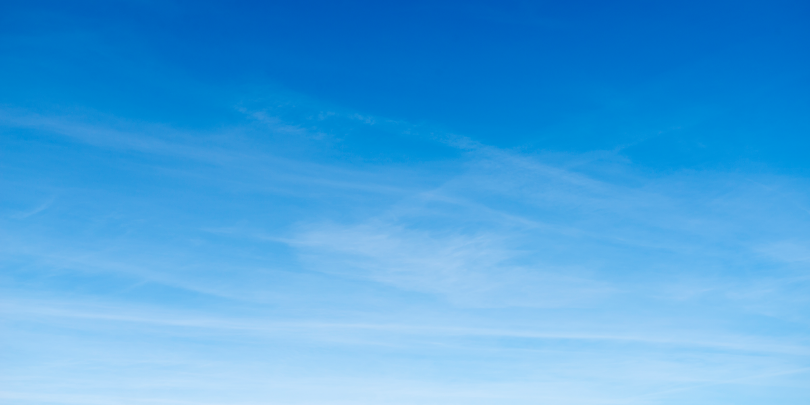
{"x":152,"y":265}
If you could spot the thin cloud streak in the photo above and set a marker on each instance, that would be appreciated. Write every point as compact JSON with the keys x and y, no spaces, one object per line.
{"x":42,"y":311}
{"x":549,"y":266}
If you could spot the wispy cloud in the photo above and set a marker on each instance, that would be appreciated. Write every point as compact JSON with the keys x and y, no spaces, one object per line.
{"x":34,"y":211}
{"x":521,"y":277}
{"x":533,"y":233}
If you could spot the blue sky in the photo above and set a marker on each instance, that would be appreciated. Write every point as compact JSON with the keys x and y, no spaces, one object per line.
{"x":404,"y":203}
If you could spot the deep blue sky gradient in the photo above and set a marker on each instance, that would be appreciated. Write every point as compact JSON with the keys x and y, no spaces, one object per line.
{"x":705,"y":84}
{"x":396,"y":203}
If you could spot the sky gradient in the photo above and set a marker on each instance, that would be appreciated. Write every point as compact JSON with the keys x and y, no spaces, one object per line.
{"x":297,"y":203}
